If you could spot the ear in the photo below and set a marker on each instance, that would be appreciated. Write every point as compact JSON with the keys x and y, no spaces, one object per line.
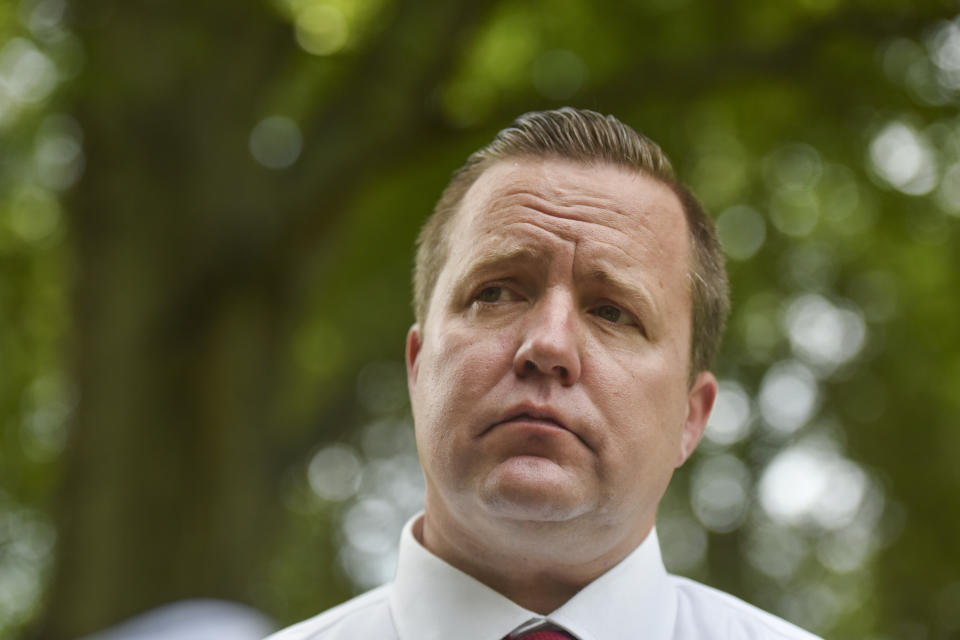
{"x":412,"y":355}
{"x":700,"y":401}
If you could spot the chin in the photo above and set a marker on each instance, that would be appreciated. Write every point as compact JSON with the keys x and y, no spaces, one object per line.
{"x":533,"y":489}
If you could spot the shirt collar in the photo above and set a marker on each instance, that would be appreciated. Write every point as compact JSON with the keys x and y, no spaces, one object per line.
{"x":432,"y":600}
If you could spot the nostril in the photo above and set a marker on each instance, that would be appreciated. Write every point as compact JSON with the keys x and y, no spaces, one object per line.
{"x":563,"y":372}
{"x":529,"y":365}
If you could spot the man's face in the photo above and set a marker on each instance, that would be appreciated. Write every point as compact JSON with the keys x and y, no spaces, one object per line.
{"x":550,"y":379}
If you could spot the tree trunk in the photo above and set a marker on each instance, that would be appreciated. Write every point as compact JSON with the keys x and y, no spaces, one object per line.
{"x":186,"y":258}
{"x":178,"y":327}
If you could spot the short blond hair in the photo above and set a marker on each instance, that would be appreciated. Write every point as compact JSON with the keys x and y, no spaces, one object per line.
{"x":587,"y":137}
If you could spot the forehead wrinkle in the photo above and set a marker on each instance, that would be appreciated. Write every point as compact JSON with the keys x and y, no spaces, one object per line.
{"x":569,"y":229}
{"x":590,"y":210}
{"x":542,"y":215}
{"x":572,"y":206}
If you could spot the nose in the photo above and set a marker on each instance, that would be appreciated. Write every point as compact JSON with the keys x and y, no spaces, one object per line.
{"x":551,"y":345}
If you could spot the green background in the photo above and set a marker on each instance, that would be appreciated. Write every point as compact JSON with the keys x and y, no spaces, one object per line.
{"x":207,"y":213}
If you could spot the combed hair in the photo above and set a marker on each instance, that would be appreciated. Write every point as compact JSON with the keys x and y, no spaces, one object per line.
{"x":589,"y":138}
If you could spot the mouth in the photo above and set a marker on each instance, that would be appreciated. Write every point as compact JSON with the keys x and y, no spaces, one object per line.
{"x":538,"y":415}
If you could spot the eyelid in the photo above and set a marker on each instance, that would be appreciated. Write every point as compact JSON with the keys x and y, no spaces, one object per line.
{"x":509,"y":294}
{"x":631,"y":319}
{"x":626,"y":316}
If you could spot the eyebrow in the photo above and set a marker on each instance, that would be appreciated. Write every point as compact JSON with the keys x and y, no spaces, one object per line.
{"x":492,"y":258}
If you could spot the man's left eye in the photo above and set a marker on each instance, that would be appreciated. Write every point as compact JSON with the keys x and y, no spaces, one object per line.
{"x":613,"y":314}
{"x":491,"y":294}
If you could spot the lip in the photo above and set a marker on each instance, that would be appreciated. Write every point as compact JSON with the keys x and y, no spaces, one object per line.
{"x":533,"y":413}
{"x":543,"y":416}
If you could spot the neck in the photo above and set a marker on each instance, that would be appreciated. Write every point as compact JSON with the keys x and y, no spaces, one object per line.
{"x":537,"y":565}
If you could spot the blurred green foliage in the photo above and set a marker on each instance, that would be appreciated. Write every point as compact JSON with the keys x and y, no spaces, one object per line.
{"x":207,"y":215}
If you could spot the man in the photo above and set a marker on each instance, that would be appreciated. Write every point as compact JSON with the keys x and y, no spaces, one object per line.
{"x":569,"y":296}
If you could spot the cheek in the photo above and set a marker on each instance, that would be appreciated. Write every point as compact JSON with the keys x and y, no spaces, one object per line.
{"x":643,"y":448}
{"x":456,"y":373}
{"x":466,"y":361}
{"x":646,"y":406}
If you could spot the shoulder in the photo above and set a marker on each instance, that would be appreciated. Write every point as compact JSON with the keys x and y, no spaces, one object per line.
{"x":705,"y":612}
{"x":366,"y":616}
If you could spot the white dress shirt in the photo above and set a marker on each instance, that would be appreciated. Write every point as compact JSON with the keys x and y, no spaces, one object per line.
{"x":635,"y":600}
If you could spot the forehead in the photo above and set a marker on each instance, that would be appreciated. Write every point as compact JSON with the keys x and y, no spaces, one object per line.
{"x":596,"y":207}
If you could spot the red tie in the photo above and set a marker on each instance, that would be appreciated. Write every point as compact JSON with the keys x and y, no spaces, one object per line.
{"x":545,"y":634}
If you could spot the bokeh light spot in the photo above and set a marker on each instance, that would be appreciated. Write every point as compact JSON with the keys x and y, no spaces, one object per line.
{"x":44,"y":428}
{"x":791,"y":485}
{"x":788,"y":396}
{"x":371,"y":525}
{"x":775,"y":551}
{"x":321,"y":29}
{"x":27,"y":541}
{"x":794,"y":213}
{"x":27,"y":75}
{"x":944,"y":47}
{"x":844,"y":551}
{"x":822,"y":334}
{"x":810,"y":483}
{"x":742,"y":232}
{"x":730,"y":418}
{"x":276,"y":142}
{"x":335,"y":472}
{"x":719,"y":491}
{"x":58,"y":154}
{"x":371,"y":528}
{"x":43,"y":17}
{"x":796,"y":167}
{"x":902,"y":158}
